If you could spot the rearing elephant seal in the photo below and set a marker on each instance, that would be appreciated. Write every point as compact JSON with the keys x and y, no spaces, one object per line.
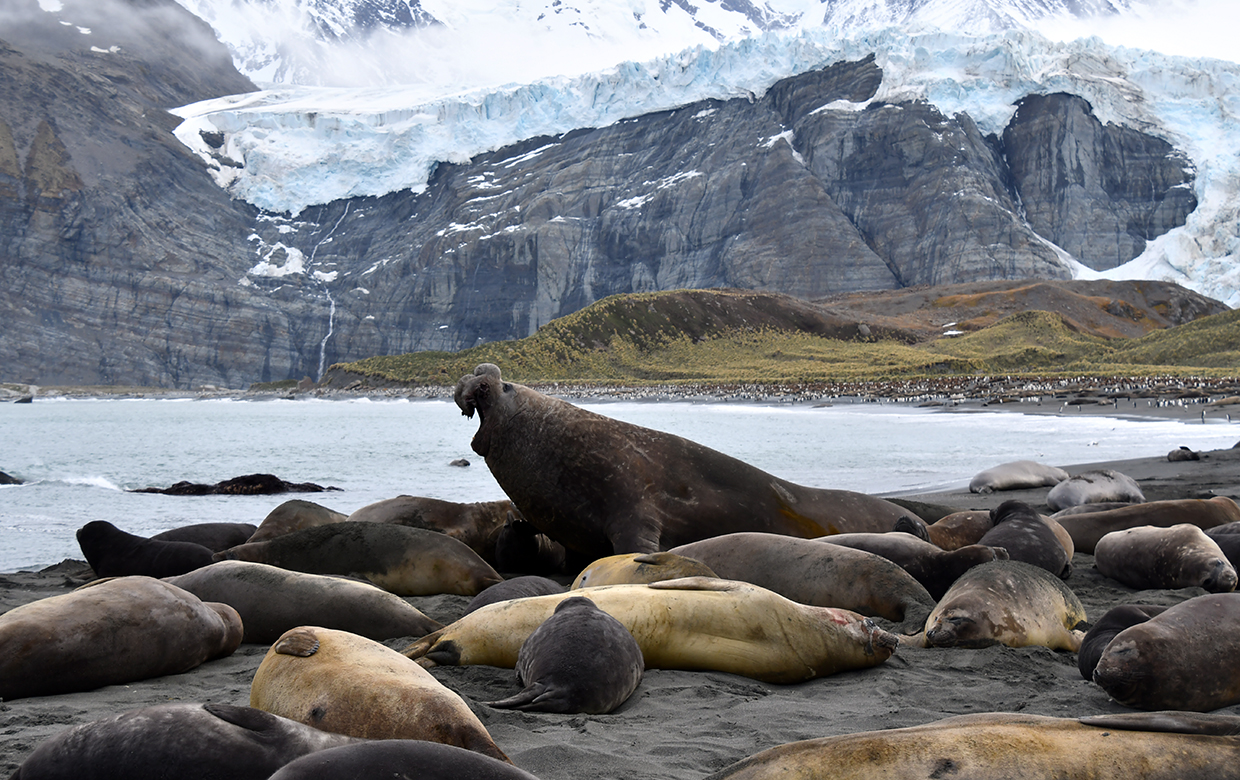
{"x":603,"y":487}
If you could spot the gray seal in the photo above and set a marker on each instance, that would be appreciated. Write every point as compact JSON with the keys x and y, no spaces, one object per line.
{"x":515,"y":588}
{"x":579,"y":660}
{"x":1027,"y":537}
{"x":1181,"y":556}
{"x":397,"y":758}
{"x":1016,"y":475}
{"x":188,"y":741}
{"x":272,"y":600}
{"x":1092,"y":487}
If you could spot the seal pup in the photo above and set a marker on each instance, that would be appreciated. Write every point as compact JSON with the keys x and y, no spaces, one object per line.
{"x":213,"y":536}
{"x":822,"y":575}
{"x":935,"y":568}
{"x":405,"y":561}
{"x":272,"y":600}
{"x":1100,"y":635}
{"x":1029,"y":537}
{"x":1016,"y":475}
{"x":1011,"y":746}
{"x":186,"y":741}
{"x":950,"y":532}
{"x":1090,"y":487}
{"x":294,"y":515}
{"x":112,"y":552}
{"x":400,"y":758}
{"x":579,"y":660}
{"x":1181,"y":556}
{"x":1087,"y":528}
{"x":602,"y":487}
{"x":515,"y":588}
{"x":476,"y":524}
{"x":109,"y":632}
{"x":1007,"y":602}
{"x":341,"y":682}
{"x":640,"y":568}
{"x":1185,"y":658}
{"x":693,"y":623}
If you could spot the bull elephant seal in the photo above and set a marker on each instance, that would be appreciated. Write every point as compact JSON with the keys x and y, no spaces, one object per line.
{"x":640,"y":568}
{"x":579,"y":660}
{"x":1181,"y":556}
{"x":822,"y":575}
{"x":935,"y":568}
{"x":1180,"y":659}
{"x":1090,"y":487}
{"x":341,"y":682}
{"x":603,"y":487}
{"x":1100,"y":635}
{"x":112,"y":552}
{"x":695,"y":623}
{"x":404,"y":561}
{"x":1010,"y":603}
{"x":396,"y":758}
{"x":1017,"y":475}
{"x":1009,"y":746}
{"x":1086,"y":529}
{"x":476,"y":524}
{"x":950,"y":532}
{"x":515,"y":588}
{"x":213,"y":536}
{"x":190,"y":741}
{"x":272,"y":600}
{"x":1029,"y":537}
{"x":294,"y":515}
{"x":110,"y":632}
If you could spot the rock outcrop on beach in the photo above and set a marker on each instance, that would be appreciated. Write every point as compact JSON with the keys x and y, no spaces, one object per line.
{"x":124,"y":262}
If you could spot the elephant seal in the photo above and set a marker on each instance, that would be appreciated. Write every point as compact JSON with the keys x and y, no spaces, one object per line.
{"x":935,"y":568}
{"x":1016,"y":475}
{"x":341,"y":682}
{"x":603,"y":487}
{"x":1091,"y":487}
{"x":213,"y":536}
{"x":1181,"y":659}
{"x":1100,"y":635}
{"x":404,"y":561}
{"x":112,"y":552}
{"x":1011,"y":746}
{"x":821,"y":575}
{"x":1227,"y":537}
{"x":190,"y":741}
{"x":694,"y":623}
{"x":294,"y":515}
{"x":1182,"y":454}
{"x":579,"y":660}
{"x":1029,"y":537}
{"x":640,"y":568}
{"x":1086,"y":529}
{"x":950,"y":532}
{"x":272,"y":600}
{"x":1181,"y":556}
{"x":397,"y":758}
{"x":1007,"y":602}
{"x":476,"y":524}
{"x":109,"y":632}
{"x":520,"y":547}
{"x":515,"y":588}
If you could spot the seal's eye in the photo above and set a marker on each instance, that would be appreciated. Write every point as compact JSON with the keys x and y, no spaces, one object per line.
{"x":507,"y":388}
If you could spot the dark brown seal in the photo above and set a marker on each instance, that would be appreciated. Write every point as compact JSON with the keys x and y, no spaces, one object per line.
{"x":935,"y":568}
{"x":949,"y":532}
{"x":476,"y":524}
{"x":1028,"y":537}
{"x":112,"y":552}
{"x":1086,"y":529}
{"x":602,"y":487}
{"x":1100,"y":635}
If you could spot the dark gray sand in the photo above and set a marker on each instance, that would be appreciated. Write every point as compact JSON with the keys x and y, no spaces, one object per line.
{"x":689,"y":724}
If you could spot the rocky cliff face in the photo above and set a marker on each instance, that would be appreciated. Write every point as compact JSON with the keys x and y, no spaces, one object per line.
{"x":121,"y":261}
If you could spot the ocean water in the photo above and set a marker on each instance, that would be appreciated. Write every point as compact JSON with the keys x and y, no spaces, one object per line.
{"x":80,"y":457}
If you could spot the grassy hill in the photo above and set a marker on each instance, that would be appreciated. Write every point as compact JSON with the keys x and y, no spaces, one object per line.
{"x":742,"y":337}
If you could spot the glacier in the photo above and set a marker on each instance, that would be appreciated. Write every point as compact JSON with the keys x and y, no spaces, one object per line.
{"x":291,"y":147}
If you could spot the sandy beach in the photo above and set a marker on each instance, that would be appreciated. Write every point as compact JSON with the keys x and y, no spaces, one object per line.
{"x":686,"y":725}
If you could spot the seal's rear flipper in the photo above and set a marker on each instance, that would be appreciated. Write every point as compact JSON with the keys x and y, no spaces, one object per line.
{"x":912,"y":525}
{"x":1170,"y":721}
{"x":527,"y":699}
{"x":247,"y":718}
